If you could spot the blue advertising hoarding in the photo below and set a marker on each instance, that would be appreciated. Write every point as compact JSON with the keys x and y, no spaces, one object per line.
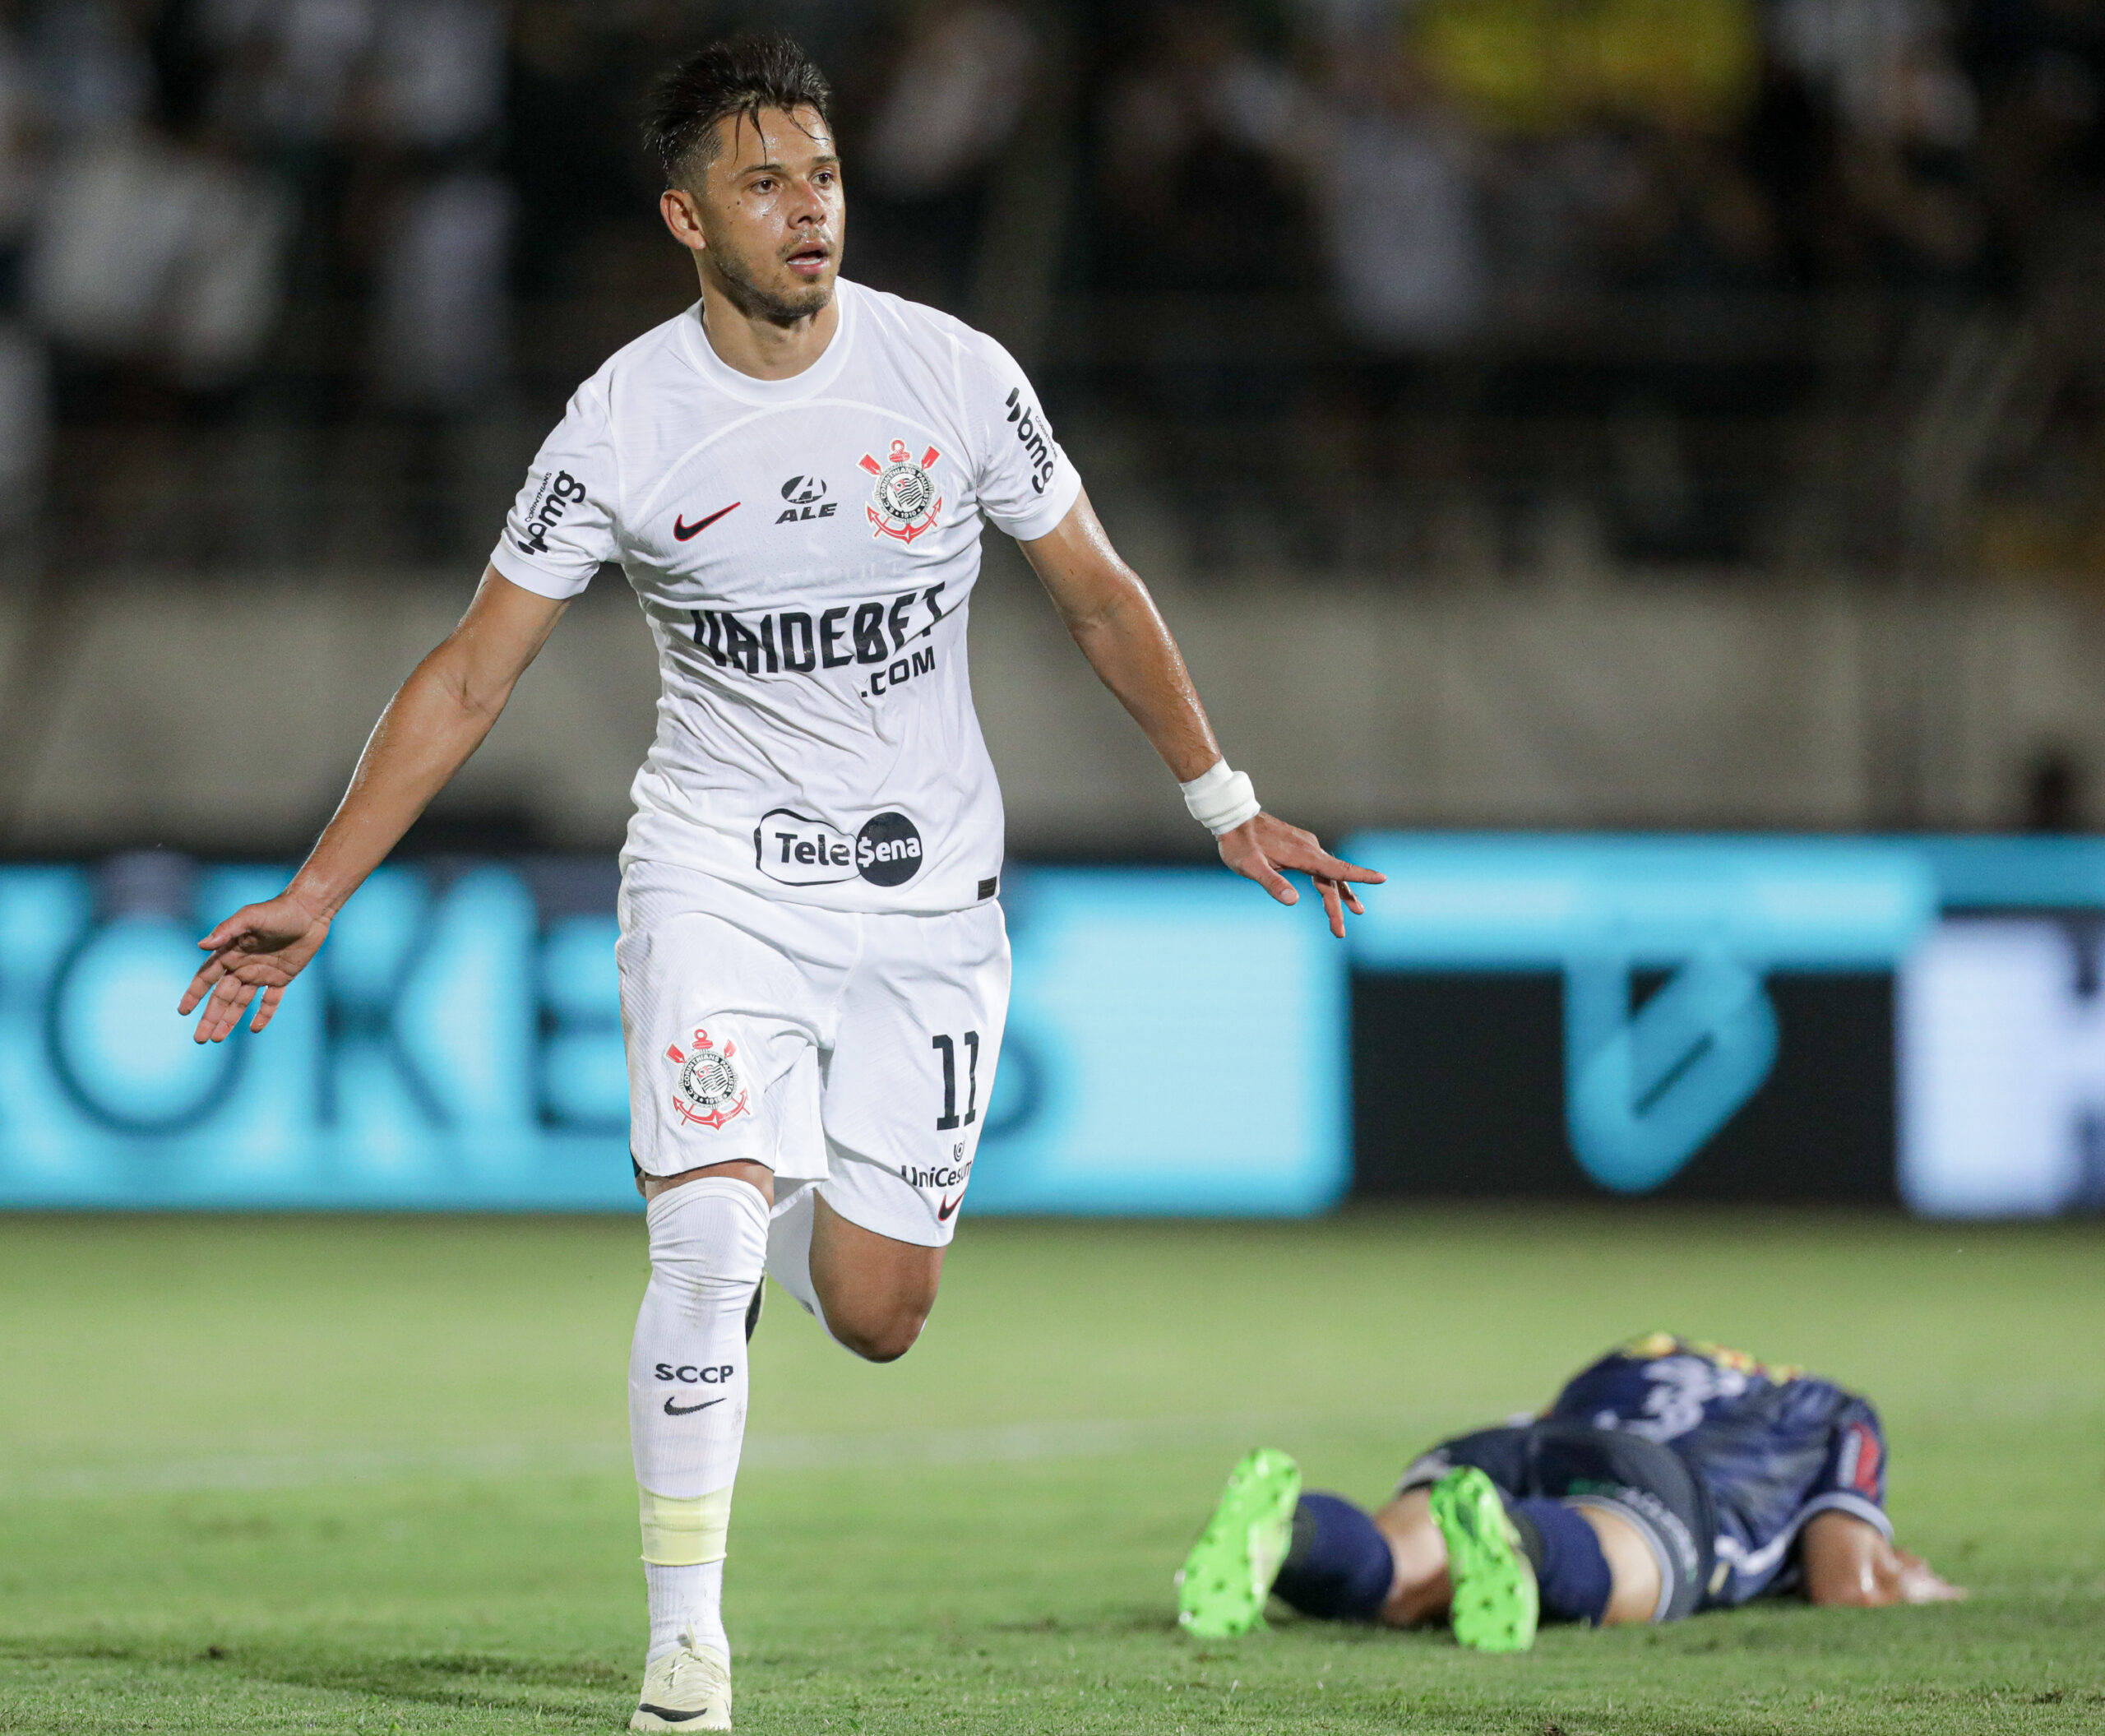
{"x":1176,"y":1043}
{"x":457,"y":1045}
{"x":1669,"y":954}
{"x":1647,"y":1080}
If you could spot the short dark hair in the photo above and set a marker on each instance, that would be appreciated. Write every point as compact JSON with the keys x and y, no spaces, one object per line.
{"x":741,"y":75}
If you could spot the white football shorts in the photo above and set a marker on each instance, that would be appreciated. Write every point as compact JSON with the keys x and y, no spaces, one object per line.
{"x":854,"y":1051}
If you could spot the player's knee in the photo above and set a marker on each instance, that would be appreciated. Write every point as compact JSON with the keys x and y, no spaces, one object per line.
{"x":881,"y":1335}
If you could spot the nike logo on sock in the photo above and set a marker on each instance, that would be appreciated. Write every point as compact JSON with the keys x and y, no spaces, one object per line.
{"x":683,"y":530}
{"x":674,"y":1410}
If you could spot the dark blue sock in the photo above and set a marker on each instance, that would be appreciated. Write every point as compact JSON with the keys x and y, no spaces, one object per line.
{"x":1339,"y":1568}
{"x":1570,"y":1571}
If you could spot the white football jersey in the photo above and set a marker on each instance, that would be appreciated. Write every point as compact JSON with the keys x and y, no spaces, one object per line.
{"x":805,"y":550}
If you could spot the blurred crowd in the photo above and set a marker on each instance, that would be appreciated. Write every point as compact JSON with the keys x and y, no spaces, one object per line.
{"x":1436,"y":165}
{"x":305,"y":212}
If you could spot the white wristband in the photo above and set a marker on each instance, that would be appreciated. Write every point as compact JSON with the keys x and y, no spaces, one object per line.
{"x":1220,"y":799}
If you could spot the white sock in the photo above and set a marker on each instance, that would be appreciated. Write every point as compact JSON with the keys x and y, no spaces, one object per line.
{"x":687,"y":1608}
{"x":790,"y":1250}
{"x":688,"y":1390}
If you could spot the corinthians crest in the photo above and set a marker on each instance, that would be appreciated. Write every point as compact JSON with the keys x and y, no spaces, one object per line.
{"x":711,"y":1092}
{"x":902,"y":501}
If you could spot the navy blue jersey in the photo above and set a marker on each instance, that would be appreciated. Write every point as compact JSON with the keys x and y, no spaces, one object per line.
{"x":1773,"y":1445}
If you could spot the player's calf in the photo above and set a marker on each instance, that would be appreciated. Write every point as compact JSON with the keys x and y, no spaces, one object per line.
{"x":1339,"y":1566}
{"x":688,"y":1384}
{"x":872,"y":1293}
{"x":1464,"y":1552}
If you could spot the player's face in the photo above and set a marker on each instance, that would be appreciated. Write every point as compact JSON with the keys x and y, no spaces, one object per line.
{"x":768,"y":217}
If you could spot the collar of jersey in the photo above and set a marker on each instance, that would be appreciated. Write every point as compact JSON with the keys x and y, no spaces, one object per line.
{"x":812,"y":381}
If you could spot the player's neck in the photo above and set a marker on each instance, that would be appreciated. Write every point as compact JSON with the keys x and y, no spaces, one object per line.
{"x":763,"y":347}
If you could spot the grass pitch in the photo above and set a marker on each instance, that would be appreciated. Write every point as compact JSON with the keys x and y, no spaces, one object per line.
{"x":264,"y":1474}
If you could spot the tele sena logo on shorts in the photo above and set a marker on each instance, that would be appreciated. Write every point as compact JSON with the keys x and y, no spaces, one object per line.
{"x":797,"y":850}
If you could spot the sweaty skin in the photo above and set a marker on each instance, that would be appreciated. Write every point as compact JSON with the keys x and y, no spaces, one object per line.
{"x":764,"y":215}
{"x":1846,"y":1562}
{"x":761,"y":209}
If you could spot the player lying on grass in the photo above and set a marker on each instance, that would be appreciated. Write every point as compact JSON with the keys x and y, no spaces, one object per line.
{"x":1667,"y":1478}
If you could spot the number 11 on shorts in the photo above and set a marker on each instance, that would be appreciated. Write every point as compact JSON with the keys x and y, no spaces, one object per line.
{"x":948,"y":1118}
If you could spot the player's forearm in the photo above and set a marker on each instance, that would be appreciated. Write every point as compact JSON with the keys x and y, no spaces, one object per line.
{"x":431,"y":726}
{"x":1129,"y":646}
{"x":1108,"y":609}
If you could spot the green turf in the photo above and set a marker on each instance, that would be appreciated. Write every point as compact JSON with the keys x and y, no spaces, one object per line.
{"x":267,"y":1474}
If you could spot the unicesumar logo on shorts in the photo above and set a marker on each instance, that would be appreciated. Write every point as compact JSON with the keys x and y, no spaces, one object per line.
{"x":903,"y":501}
{"x":711,"y":1089}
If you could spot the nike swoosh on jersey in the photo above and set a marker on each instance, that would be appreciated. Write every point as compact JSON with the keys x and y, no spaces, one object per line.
{"x":683,"y":530}
{"x":672,"y":1410}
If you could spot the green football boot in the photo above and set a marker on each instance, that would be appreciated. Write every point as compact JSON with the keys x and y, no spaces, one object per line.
{"x":1229,"y":1572}
{"x":1495,"y":1605}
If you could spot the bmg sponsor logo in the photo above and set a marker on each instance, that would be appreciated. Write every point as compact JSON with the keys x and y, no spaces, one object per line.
{"x":557,"y":495}
{"x":1035,"y":433}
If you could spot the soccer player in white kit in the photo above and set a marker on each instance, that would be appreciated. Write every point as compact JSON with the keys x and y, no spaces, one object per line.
{"x":792,"y":474}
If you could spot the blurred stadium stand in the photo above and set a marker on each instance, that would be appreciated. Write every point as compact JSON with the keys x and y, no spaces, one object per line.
{"x":1611,"y":412}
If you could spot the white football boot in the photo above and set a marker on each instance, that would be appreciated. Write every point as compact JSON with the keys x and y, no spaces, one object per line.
{"x":689,"y":1689}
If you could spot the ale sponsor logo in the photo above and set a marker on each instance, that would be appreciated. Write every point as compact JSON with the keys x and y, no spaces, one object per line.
{"x":806,"y":498}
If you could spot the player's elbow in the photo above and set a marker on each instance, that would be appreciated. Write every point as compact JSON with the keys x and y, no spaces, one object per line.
{"x":480,"y":695}
{"x":442,"y":691}
{"x":1100,"y":605}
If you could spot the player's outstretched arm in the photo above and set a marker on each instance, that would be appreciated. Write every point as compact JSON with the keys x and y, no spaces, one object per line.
{"x":1114,"y":620}
{"x":436,"y":720}
{"x":1848,"y":1561}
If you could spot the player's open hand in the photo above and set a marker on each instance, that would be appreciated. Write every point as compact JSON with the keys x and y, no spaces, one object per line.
{"x":1264,"y":849}
{"x":255,"y":953}
{"x":1920,"y":1583}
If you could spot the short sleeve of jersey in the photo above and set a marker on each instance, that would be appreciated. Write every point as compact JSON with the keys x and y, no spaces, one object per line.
{"x":560,"y":528}
{"x":1025,"y":481}
{"x":1852,"y":1479}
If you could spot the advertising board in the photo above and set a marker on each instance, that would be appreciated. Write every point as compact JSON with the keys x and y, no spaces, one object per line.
{"x":1776,"y":1019}
{"x":1175,"y":1044}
